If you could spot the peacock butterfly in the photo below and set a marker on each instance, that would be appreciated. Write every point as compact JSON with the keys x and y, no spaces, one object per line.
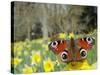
{"x":72,"y":49}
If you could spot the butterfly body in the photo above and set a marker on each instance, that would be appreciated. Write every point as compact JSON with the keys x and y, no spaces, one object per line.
{"x":72,"y":49}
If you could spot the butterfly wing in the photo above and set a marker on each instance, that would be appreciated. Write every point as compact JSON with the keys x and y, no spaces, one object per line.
{"x":86,"y":42}
{"x":58,"y":46}
{"x":83,"y":45}
{"x":72,"y":50}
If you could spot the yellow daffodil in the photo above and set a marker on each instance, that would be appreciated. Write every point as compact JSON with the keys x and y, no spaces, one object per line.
{"x":71,"y":35}
{"x":15,"y":61}
{"x":86,"y":65}
{"x":81,"y":65}
{"x":36,"y":57}
{"x":27,"y":70}
{"x":62,"y":35}
{"x":48,"y":65}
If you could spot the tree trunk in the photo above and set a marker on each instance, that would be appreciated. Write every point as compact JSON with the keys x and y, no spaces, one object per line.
{"x":43,"y":20}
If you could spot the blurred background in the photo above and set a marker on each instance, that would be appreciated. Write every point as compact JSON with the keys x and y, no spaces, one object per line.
{"x":37,"y":20}
{"x":35,"y":23}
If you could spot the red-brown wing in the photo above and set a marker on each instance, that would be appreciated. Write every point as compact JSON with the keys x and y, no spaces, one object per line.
{"x":82,"y":47}
{"x":81,"y":54}
{"x":58,"y":46}
{"x":85,"y":43}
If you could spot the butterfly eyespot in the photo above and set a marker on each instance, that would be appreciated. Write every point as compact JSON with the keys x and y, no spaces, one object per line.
{"x":64,"y":56}
{"x":89,"y":40}
{"x":83,"y":53}
{"x":54,"y":44}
